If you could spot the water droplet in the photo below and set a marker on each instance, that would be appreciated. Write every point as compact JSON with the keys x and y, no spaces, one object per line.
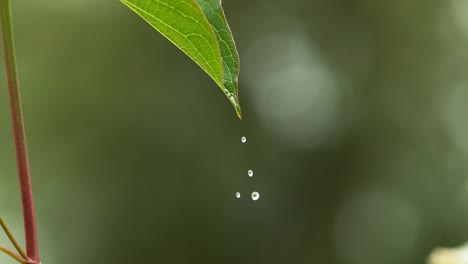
{"x":243,"y":139}
{"x":238,"y":195}
{"x":255,"y":196}
{"x":250,"y":173}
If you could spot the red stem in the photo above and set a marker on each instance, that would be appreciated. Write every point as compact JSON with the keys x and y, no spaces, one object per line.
{"x":19,"y":133}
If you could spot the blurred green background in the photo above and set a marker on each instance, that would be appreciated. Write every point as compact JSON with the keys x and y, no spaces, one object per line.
{"x":355,"y":118}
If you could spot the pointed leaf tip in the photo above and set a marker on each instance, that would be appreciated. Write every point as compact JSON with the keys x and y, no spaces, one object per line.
{"x":199,"y":28}
{"x":236,"y":104}
{"x":239,"y":113}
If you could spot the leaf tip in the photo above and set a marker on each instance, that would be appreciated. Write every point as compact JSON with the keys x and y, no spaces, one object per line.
{"x":235,"y":102}
{"x":239,"y":112}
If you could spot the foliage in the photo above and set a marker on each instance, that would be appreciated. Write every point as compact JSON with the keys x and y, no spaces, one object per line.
{"x":199,"y":29}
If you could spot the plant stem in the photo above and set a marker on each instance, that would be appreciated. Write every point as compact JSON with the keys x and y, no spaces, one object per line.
{"x":13,"y":255}
{"x":19,"y":133}
{"x":12,"y":239}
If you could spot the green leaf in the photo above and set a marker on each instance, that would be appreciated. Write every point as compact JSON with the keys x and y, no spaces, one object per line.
{"x":199,"y":28}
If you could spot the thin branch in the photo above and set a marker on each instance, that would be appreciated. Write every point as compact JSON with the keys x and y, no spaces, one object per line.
{"x":12,"y":239}
{"x":15,"y":256}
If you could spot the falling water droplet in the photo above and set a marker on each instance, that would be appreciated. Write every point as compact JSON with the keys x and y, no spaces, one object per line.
{"x":250,"y":173}
{"x":255,"y":196}
{"x":243,"y":139}
{"x":238,"y":195}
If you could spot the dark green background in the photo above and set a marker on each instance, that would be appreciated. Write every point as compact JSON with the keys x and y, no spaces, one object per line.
{"x":355,"y":114}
